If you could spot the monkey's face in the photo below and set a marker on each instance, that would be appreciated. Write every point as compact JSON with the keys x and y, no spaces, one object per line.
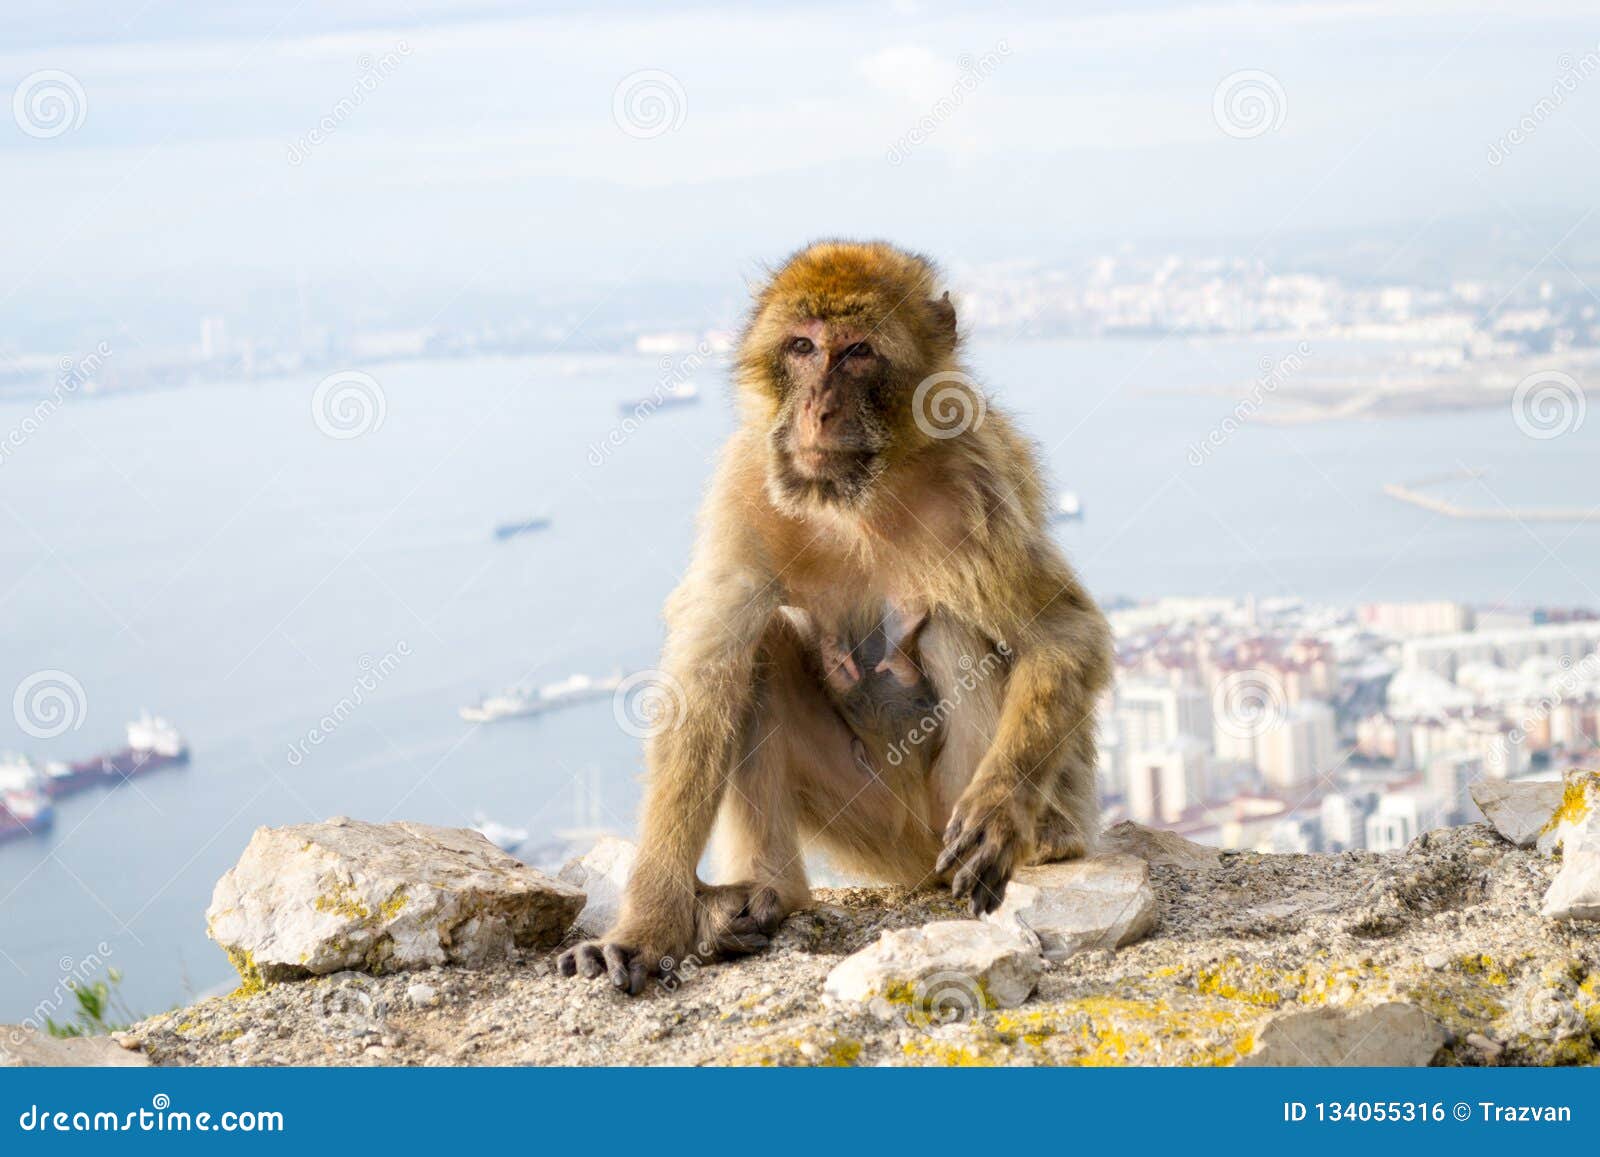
{"x":836,"y":413}
{"x":840,"y":337}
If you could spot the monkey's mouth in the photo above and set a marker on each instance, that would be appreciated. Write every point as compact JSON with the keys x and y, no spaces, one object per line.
{"x":827,"y":461}
{"x":838,"y":472}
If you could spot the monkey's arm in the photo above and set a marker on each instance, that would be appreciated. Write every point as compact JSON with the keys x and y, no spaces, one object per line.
{"x":1061,"y":656}
{"x":715,"y":621}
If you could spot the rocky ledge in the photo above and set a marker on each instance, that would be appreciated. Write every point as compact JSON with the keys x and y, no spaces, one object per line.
{"x":1160,"y":952}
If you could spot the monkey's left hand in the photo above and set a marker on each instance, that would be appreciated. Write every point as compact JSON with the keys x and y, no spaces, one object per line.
{"x":984,"y":842}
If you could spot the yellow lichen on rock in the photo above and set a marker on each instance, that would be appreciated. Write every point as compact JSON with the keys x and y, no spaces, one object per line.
{"x":341,"y":902}
{"x":826,"y":1050}
{"x":251,"y":982}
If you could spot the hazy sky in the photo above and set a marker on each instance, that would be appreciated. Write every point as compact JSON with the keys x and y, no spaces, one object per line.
{"x":491,"y":156}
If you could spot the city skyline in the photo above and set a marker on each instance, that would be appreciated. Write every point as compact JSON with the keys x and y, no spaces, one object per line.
{"x":1284,"y":726}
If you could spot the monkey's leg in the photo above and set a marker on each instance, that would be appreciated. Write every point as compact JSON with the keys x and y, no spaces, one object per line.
{"x":1070,"y":818}
{"x":1035,"y":766}
{"x":757,"y":843}
{"x":716,"y":620}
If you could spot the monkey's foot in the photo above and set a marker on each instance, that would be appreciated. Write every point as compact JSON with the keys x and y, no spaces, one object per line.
{"x":983,"y":844}
{"x":729,"y":920}
{"x":627,"y":967}
{"x":1059,"y":838}
{"x":1056,"y":851}
{"x":736,"y":919}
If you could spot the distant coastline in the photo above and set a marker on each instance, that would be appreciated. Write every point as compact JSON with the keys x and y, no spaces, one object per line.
{"x":1410,"y":492}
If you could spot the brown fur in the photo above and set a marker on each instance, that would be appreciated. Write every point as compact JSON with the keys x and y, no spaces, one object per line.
{"x":833,"y":498}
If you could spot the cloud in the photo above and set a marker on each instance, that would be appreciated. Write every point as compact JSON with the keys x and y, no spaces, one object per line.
{"x":908,"y":71}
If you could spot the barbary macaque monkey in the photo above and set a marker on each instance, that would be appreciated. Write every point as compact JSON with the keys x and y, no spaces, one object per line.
{"x":868,"y":480}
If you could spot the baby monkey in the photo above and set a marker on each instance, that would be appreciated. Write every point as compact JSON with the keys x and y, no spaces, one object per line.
{"x":874,"y":675}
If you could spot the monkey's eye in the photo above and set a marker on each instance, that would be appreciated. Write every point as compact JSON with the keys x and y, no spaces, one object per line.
{"x":801,"y":346}
{"x":860,"y":350}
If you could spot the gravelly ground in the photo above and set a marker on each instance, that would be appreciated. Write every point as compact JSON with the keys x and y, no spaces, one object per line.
{"x":1451,"y":925}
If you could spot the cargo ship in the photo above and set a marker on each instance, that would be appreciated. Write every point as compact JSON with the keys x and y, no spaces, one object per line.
{"x":516,"y":701}
{"x":152,"y":743}
{"x":28,"y":792}
{"x":25,"y":804}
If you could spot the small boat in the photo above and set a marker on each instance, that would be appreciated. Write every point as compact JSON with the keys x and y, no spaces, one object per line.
{"x":511,"y":529}
{"x":505,"y":838}
{"x":1069,"y":507}
{"x":679,"y":395}
{"x":517,"y":701}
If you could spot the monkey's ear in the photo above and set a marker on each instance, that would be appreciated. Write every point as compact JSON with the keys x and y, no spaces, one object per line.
{"x":944,"y":316}
{"x":900,"y":658}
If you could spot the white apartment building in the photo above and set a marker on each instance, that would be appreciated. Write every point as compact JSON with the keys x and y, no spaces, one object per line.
{"x":1166,"y":783}
{"x":1444,"y":654}
{"x":1414,"y":620}
{"x":1302,"y":747}
{"x":1400,"y":818}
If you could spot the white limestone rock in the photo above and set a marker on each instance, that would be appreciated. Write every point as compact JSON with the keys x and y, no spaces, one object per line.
{"x":314,"y":899}
{"x":1518,"y":810}
{"x":602,"y":873}
{"x":1104,"y":902}
{"x":1575,"y":892}
{"x":1575,"y":823}
{"x":947,"y":970}
{"x":1393,"y":1035}
{"x":1158,"y":847}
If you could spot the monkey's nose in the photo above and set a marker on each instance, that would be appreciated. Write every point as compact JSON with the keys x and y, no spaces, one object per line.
{"x":825,"y":407}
